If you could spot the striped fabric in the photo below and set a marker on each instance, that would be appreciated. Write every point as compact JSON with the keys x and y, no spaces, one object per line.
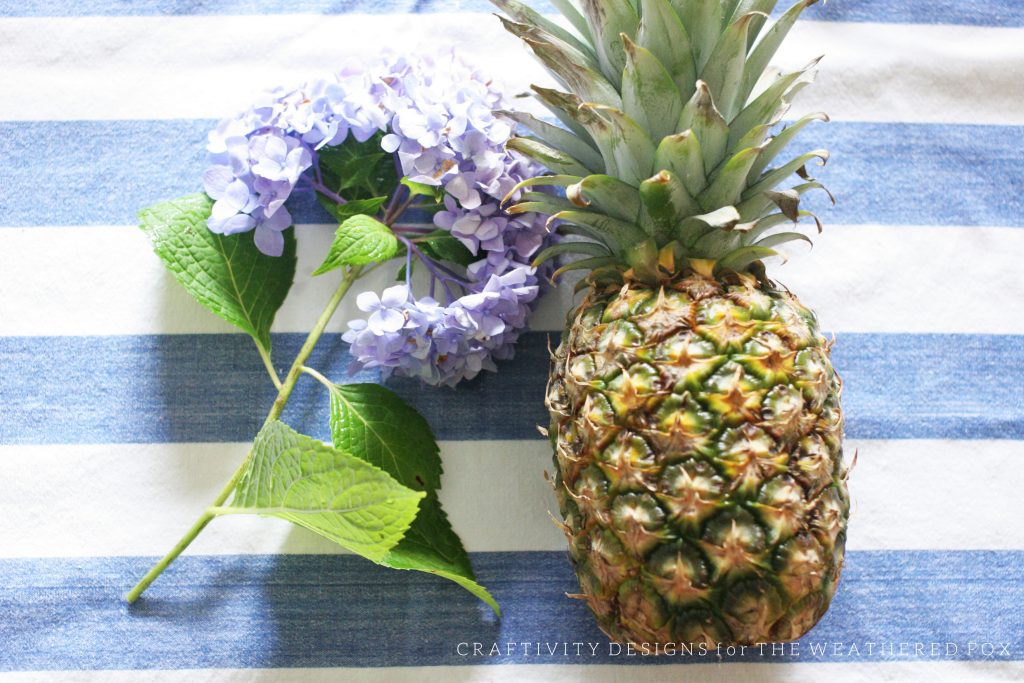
{"x":124,"y":406}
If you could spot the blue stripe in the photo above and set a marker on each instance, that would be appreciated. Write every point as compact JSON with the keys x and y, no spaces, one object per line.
{"x":212,"y":387}
{"x":102,"y":172}
{"x":333,"y":611}
{"x":970,"y":12}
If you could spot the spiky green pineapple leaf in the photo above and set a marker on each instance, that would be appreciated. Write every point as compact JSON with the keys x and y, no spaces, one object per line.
{"x":568,"y":248}
{"x":565,"y":107}
{"x":730,"y":181}
{"x":663,"y":34}
{"x":760,"y":204}
{"x":681,"y":154}
{"x":778,"y":238}
{"x":741,"y":258}
{"x":667,"y":203}
{"x":705,"y":121}
{"x":773,"y":177}
{"x":560,"y":139}
{"x":575,"y":70}
{"x":762,"y":10}
{"x":765,"y":49}
{"x":526,"y":16}
{"x":545,"y":204}
{"x":626,"y":147}
{"x":725,"y":218}
{"x":649,"y":94}
{"x":607,"y":19}
{"x":769,"y":106}
{"x":779,"y":141}
{"x":616,"y":233}
{"x":703,"y":22}
{"x":607,"y":195}
{"x":553,"y":159}
{"x":724,"y":70}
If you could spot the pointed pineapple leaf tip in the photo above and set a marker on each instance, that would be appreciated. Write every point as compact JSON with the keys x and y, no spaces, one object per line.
{"x":574,"y":193}
{"x":662,"y":177}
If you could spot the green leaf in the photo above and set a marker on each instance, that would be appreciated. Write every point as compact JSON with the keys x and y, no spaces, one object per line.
{"x":432,"y":546}
{"x":341,"y":212}
{"x":347,"y":500}
{"x":359,"y":240}
{"x":441,"y":246}
{"x":358,"y":170}
{"x":373,"y":423}
{"x":435,"y":192}
{"x":225,"y":273}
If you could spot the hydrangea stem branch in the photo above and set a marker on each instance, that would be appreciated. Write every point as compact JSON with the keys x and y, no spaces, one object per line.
{"x":437,"y":271}
{"x":283,"y":394}
{"x":318,"y":377}
{"x":327,"y":192}
{"x":274,"y":377}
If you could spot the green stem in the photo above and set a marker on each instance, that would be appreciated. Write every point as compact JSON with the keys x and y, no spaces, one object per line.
{"x":284,"y":392}
{"x":318,"y":377}
{"x":265,"y":355}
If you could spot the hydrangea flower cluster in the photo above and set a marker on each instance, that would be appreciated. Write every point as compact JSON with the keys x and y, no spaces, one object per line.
{"x":437,"y":117}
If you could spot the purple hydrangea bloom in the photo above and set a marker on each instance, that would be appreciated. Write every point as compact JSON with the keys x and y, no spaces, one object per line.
{"x":437,"y":117}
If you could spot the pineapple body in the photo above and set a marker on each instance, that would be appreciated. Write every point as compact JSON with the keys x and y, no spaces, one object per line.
{"x":698,"y":452}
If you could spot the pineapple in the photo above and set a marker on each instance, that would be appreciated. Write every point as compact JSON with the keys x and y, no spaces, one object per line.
{"x":695,"y":414}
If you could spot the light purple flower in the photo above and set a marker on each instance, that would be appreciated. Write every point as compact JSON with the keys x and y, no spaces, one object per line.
{"x":437,"y":117}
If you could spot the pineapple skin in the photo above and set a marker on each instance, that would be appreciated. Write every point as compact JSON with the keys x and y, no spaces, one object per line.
{"x":698,"y":453}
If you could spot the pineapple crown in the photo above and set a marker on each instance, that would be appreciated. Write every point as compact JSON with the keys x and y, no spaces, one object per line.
{"x":670,"y":129}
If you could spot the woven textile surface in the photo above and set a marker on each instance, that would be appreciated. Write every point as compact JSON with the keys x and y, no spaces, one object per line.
{"x":124,"y":405}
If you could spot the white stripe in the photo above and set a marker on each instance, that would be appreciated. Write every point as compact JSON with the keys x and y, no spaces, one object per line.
{"x":195,"y":67}
{"x":106,"y":281}
{"x":906,"y":672}
{"x":75,"y":500}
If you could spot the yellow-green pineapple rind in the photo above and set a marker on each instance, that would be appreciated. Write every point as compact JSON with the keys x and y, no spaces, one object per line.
{"x":698,"y":452}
